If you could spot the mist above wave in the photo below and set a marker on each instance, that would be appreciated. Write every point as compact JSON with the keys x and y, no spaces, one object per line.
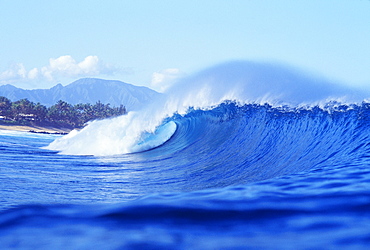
{"x":251,"y":82}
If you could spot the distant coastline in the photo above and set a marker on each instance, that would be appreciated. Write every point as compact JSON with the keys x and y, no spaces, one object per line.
{"x":61,"y":118}
{"x":18,"y":113}
{"x":35,"y":129}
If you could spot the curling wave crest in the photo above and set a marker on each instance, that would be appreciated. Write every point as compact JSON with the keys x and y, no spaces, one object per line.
{"x":239,"y":82}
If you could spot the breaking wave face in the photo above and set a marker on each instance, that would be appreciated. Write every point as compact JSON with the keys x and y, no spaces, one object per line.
{"x":228,"y":107}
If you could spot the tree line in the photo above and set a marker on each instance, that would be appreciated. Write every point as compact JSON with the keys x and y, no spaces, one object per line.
{"x":61,"y":114}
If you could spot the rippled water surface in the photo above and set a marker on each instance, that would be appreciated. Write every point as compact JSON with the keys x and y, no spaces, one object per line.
{"x":230,"y":177}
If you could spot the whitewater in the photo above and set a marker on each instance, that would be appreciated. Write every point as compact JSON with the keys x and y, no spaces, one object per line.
{"x":240,"y":155}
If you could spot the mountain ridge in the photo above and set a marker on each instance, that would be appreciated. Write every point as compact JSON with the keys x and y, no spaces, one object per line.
{"x":86,"y":90}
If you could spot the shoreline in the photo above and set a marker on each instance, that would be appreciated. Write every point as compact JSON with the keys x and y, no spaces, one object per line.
{"x":36,"y":129}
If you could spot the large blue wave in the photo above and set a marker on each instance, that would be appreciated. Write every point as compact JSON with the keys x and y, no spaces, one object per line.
{"x":256,"y":142}
{"x":239,"y":82}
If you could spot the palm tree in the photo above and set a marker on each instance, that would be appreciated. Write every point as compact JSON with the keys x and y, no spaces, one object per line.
{"x":21,"y":109}
{"x":39,"y":112}
{"x":5,"y":106}
{"x":63,"y":112}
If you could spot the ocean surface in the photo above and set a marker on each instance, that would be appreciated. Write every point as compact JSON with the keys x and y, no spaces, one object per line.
{"x":206,"y":168}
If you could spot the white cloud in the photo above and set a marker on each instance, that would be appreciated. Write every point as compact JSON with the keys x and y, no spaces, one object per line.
{"x":33,"y":73}
{"x":22,"y":72}
{"x":66,"y":66}
{"x":16,"y":71}
{"x":63,"y":66}
{"x":90,"y":65}
{"x":164,"y":79}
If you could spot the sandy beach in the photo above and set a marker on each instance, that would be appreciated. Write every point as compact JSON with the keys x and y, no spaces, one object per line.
{"x":35,"y":129}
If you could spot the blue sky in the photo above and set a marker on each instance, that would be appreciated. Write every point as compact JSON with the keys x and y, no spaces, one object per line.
{"x":150,"y":43}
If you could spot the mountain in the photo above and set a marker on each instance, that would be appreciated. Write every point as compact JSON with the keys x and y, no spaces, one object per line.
{"x":86,"y":90}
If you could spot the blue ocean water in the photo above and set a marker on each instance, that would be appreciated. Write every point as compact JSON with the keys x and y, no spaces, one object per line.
{"x":231,"y":177}
{"x":218,"y":175}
